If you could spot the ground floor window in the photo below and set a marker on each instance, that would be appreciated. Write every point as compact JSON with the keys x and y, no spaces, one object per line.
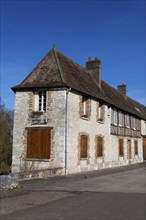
{"x":121,"y":146}
{"x":99,"y":146}
{"x":136,"y":147}
{"x":38,"y":143}
{"x":84,"y":146}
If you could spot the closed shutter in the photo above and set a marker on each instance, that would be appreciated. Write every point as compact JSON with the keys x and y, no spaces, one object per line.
{"x":99,"y":146}
{"x":136,"y":147}
{"x":121,"y":153}
{"x":38,"y":143}
{"x":84,"y":141}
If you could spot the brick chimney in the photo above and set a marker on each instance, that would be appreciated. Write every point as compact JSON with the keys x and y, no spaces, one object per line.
{"x":94,"y":66}
{"x":122,"y":89}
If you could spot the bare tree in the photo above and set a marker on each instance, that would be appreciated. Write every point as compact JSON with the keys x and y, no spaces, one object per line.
{"x":6,"y":127}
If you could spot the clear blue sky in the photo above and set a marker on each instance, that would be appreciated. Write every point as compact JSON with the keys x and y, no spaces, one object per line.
{"x":114,"y":31}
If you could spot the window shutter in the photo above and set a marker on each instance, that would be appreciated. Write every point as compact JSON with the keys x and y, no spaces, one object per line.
{"x":99,"y":146}
{"x":84,"y":146}
{"x":136,"y":147}
{"x":29,"y":143}
{"x":38,"y":143}
{"x":120,"y":147}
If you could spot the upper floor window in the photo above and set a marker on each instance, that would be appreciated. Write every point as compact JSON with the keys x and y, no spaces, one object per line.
{"x":138,"y":124}
{"x":120,"y":121}
{"x":127,"y":120}
{"x":114,"y":116}
{"x":40,"y":101}
{"x":101,"y":111}
{"x":85,"y":107}
{"x":133,"y":123}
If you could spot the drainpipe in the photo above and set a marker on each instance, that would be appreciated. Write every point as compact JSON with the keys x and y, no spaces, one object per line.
{"x":66,"y":129}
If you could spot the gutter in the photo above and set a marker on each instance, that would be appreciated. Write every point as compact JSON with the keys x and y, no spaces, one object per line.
{"x":66,"y":128}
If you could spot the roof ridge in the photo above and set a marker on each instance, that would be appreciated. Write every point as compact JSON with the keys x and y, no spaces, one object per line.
{"x":58,"y":65}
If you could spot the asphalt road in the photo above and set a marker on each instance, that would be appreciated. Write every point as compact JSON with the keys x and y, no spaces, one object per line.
{"x":112,"y":196}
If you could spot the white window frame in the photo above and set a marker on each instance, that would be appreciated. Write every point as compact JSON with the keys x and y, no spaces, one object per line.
{"x":134,"y":123}
{"x":120,"y":119}
{"x":84,"y":103}
{"x":127,"y":120}
{"x":114,"y":116}
{"x":39,"y":101}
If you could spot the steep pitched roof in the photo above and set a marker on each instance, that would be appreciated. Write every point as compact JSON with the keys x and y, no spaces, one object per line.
{"x":56,"y":70}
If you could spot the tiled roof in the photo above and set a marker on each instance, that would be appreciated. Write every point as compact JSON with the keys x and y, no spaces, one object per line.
{"x":56,"y":71}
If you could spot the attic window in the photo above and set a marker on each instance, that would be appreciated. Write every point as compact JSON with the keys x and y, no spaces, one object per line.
{"x":40,"y":101}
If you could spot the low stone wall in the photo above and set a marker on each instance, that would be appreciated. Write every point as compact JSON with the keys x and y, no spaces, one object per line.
{"x":8,"y":181}
{"x":35,"y":174}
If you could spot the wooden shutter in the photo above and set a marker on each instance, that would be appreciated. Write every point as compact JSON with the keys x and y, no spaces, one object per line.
{"x":136,"y":147}
{"x":38,"y":143}
{"x":99,"y":146}
{"x":84,"y":142}
{"x":121,"y":147}
{"x":29,"y":143}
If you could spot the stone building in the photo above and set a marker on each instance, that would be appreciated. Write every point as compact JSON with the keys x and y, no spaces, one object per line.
{"x":68,"y":120}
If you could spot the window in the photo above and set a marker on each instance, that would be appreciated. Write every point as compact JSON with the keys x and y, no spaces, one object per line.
{"x":120,"y":121}
{"x":133,"y":123}
{"x":138,"y":125}
{"x":121,"y":152}
{"x":40,"y":101}
{"x":84,"y":144}
{"x":101,"y":111}
{"x":85,"y":107}
{"x":114,"y":116}
{"x":127,"y":120}
{"x":136,"y":147}
{"x":38,"y":143}
{"x":99,"y":146}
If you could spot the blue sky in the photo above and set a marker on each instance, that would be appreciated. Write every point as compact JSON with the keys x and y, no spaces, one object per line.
{"x":114,"y":31}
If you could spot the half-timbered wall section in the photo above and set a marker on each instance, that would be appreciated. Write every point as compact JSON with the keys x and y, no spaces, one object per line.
{"x":124,"y":124}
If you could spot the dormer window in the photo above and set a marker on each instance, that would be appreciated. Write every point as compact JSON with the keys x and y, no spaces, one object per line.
{"x":40,"y":101}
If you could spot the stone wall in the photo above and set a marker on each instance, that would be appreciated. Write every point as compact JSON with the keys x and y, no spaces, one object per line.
{"x":24,"y":104}
{"x":92,"y":127}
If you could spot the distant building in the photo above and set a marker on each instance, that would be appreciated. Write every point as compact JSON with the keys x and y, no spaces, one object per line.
{"x":68,"y":120}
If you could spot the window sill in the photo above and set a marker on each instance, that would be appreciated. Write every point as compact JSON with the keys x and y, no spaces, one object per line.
{"x":85,"y":118}
{"x":101,"y":122}
{"x":35,"y":159}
